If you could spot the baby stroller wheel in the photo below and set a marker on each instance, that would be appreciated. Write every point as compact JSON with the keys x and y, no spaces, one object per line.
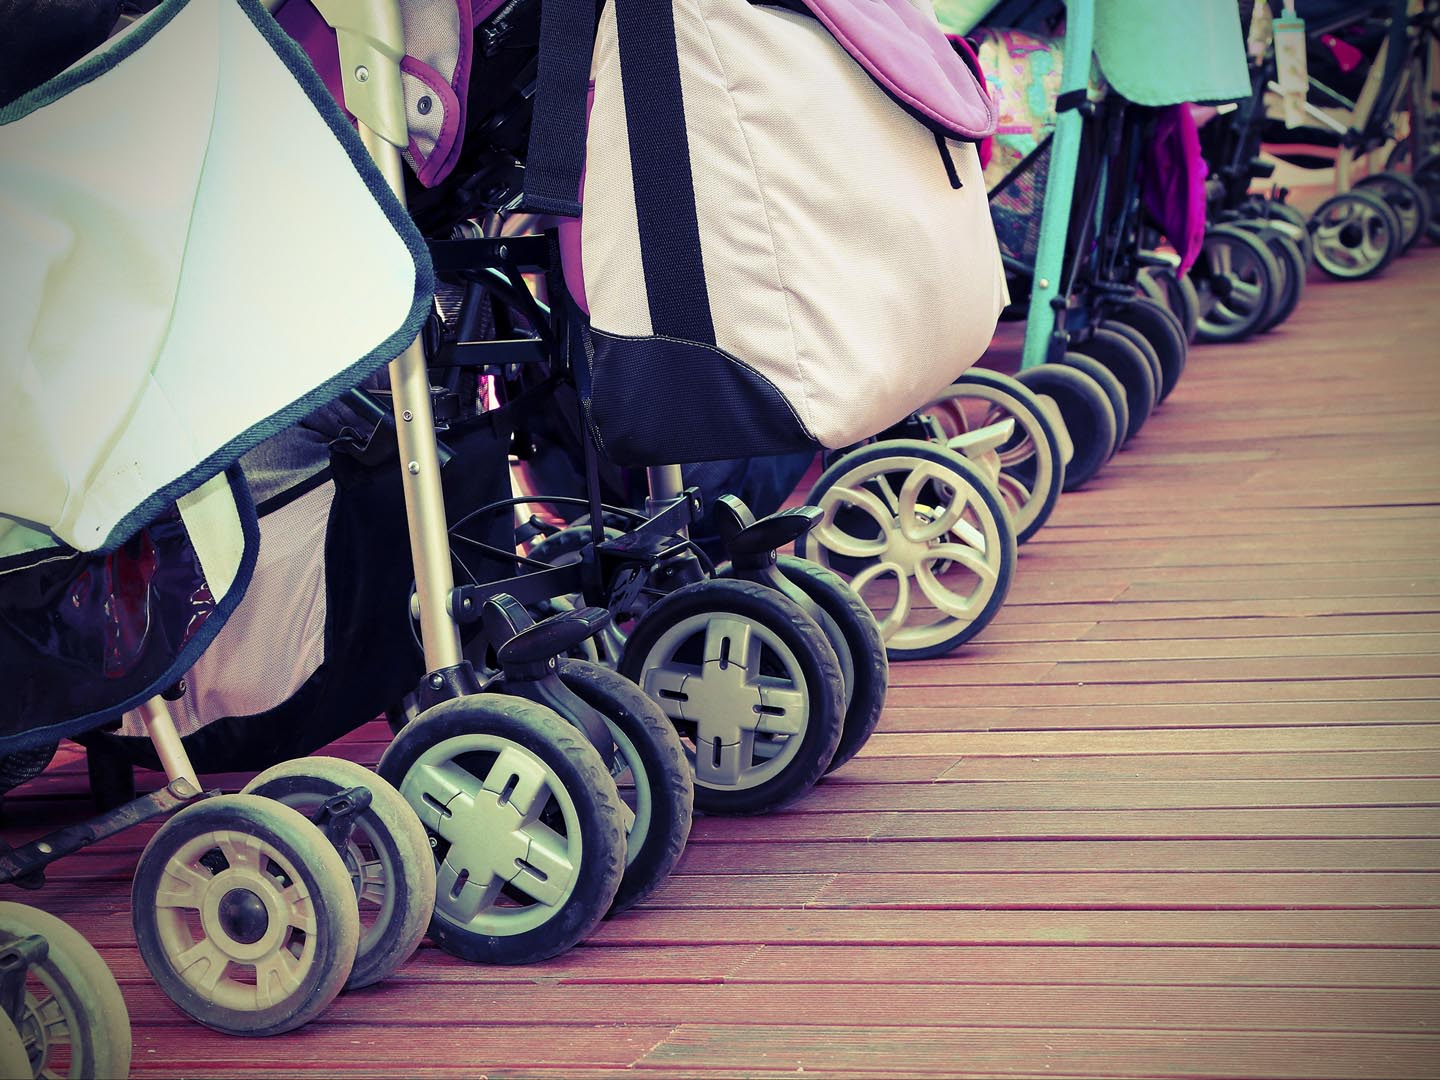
{"x":1283,"y":216}
{"x":1086,"y":411}
{"x":651,"y":774}
{"x":387,"y":855}
{"x":1356,"y":235}
{"x":1290,"y":261}
{"x":1121,"y":358}
{"x":929,"y":539}
{"x":1164,"y":334}
{"x":867,"y":675}
{"x":1147,"y":352}
{"x":1173,"y":291}
{"x":1110,"y":387}
{"x":524,"y":820}
{"x":752,"y":684}
{"x":1408,"y":199}
{"x":1235,"y":279}
{"x":244,"y":915}
{"x":1032,"y":470}
{"x":72,"y":1019}
{"x":1427,"y":175}
{"x":14,"y":1061}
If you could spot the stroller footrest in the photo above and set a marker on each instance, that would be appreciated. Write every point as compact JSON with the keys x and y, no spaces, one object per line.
{"x":25,"y":866}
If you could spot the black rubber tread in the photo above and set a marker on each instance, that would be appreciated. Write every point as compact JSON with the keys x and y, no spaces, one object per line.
{"x":399,"y":839}
{"x":977,"y":481}
{"x":1239,"y":331}
{"x":588,"y":783}
{"x":1427,"y":175}
{"x":322,"y":875}
{"x":1110,"y":386}
{"x":996,"y":380}
{"x":1291,"y":261}
{"x":1375,"y":203}
{"x":1166,"y":335}
{"x":820,"y":669}
{"x":1299,"y":231}
{"x":1087,"y":412}
{"x":1128,"y":364}
{"x":862,"y":638}
{"x":667,"y":772}
{"x":1407,"y":198}
{"x":83,"y":988}
{"x":1141,"y":342}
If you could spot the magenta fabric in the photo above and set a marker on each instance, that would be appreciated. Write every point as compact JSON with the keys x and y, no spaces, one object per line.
{"x":985,"y":148}
{"x":910,"y":57}
{"x":1172,"y":182}
{"x":308,"y":28}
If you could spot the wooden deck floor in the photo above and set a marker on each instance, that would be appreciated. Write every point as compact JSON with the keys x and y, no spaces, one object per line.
{"x":1176,"y":814}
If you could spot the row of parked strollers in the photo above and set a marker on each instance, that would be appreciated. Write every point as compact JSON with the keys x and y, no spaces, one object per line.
{"x":228,"y":542}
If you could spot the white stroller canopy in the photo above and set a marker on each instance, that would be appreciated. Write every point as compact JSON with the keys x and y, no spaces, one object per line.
{"x":198,"y":252}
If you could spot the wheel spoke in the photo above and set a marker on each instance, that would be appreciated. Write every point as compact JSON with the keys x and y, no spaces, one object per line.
{"x":900,"y":608}
{"x":241,"y":850}
{"x":436,"y":785}
{"x":829,"y":535}
{"x":1023,"y":450}
{"x":182,"y":886}
{"x":918,"y":525}
{"x":731,"y":641}
{"x":465,"y":900}
{"x":783,"y":710}
{"x":202,"y":965}
{"x":1246,"y":290}
{"x":374,"y":883}
{"x":1015,"y":494}
{"x":299,"y":912}
{"x":277,"y":977}
{"x":520,"y":781}
{"x":940,"y":594}
{"x":666,"y":686}
{"x":725,"y":768}
{"x":549,"y":869}
{"x":51,"y":1016}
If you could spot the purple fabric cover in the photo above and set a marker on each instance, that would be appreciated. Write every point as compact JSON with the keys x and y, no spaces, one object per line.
{"x":1172,"y":182}
{"x":909,"y":56}
{"x":311,"y":32}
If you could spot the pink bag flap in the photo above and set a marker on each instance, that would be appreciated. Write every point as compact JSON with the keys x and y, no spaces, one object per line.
{"x":907,"y":54}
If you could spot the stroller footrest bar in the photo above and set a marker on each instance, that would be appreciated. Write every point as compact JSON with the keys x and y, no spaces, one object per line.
{"x":25,"y":866}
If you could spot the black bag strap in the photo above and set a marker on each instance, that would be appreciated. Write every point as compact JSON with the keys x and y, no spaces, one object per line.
{"x":659,"y":149}
{"x":556,"y":152}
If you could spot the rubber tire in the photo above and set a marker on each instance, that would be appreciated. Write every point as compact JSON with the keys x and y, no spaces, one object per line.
{"x":819,"y":668}
{"x":633,"y":716}
{"x":1250,"y":322}
{"x":580,"y":769}
{"x":14,"y":1060}
{"x":560,"y":549}
{"x":1377,"y":205}
{"x":1152,"y":358}
{"x":396,"y":833}
{"x":1005,"y":384}
{"x":1291,"y":262}
{"x":1174,"y":292}
{"x":1087,"y":412}
{"x":1165,"y":334}
{"x":979,"y":483}
{"x":323,"y":876}
{"x":1408,"y":199}
{"x":862,"y":638}
{"x":1111,"y":387}
{"x":82,"y":985}
{"x":1427,"y":175}
{"x":1128,"y":364}
{"x":1294,"y":224}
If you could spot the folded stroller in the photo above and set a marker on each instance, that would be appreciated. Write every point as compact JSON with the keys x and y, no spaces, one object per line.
{"x":129,"y":319}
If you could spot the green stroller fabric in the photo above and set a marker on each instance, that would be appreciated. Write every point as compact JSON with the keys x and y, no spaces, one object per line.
{"x":1164,"y":52}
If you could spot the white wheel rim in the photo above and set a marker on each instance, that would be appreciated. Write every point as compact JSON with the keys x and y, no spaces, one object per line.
{"x":1244,"y":301}
{"x":1351,"y":237}
{"x":493,"y":835}
{"x":198,"y":938}
{"x":948,"y":554}
{"x":955,"y":418}
{"x":371,"y":874}
{"x":45,"y":1028}
{"x":628,"y":771}
{"x":742,"y":710}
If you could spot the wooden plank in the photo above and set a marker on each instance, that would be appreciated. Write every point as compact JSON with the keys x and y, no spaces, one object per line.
{"x":1051,"y":693}
{"x":1057,"y":1051}
{"x":1153,"y":965}
{"x":1249,"y":714}
{"x":901,"y":856}
{"x":1194,"y":741}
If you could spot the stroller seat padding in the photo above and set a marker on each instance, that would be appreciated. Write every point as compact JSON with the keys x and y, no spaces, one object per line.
{"x":199,"y":252}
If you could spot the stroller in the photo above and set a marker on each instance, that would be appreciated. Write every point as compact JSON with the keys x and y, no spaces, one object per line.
{"x":1369,"y":87}
{"x":1122,"y":160}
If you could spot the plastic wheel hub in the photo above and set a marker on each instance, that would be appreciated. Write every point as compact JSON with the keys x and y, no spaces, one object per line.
{"x":243,"y":916}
